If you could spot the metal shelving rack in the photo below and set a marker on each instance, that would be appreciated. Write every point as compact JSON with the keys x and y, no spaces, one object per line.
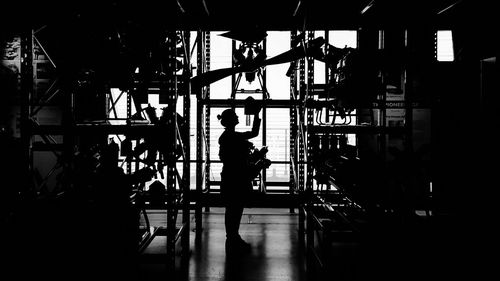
{"x":299,"y":117}
{"x":335,"y":202}
{"x":202,"y":130}
{"x":177,"y":186}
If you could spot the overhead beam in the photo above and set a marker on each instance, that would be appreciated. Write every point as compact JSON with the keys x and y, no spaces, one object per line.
{"x":367,"y":7}
{"x":449,"y":7}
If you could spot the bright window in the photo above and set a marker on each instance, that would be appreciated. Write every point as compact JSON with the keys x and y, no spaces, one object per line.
{"x":220,"y":57}
{"x":277,"y":83}
{"x":343,"y":38}
{"x":445,"y":46}
{"x":277,"y":120}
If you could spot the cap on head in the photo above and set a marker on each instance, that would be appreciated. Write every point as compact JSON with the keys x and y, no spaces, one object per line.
{"x":228,"y":118}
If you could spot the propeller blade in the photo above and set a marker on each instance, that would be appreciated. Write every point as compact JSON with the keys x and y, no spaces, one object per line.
{"x":312,"y":47}
{"x":254,"y":35}
{"x":212,"y":76}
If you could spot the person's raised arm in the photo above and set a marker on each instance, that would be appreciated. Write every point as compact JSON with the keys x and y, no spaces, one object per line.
{"x":255,"y":128}
{"x":256,"y":125}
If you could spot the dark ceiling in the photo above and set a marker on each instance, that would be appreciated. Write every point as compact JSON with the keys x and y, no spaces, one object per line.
{"x":231,"y":14}
{"x":94,"y":32}
{"x":84,"y":24}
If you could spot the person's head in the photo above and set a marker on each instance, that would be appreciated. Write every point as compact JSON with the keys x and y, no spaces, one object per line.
{"x":228,"y":118}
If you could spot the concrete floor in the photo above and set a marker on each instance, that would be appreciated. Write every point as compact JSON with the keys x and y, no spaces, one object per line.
{"x":275,"y":255}
{"x":69,"y":242}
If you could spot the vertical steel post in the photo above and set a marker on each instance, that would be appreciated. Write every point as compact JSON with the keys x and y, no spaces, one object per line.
{"x":27,"y":88}
{"x":186,"y":171}
{"x":293,"y":133}
{"x":302,"y":95}
{"x":129,"y":115}
{"x":310,"y":114}
{"x":264,"y":117}
{"x":207,"y":116}
{"x":199,"y":135}
{"x":168,"y":90}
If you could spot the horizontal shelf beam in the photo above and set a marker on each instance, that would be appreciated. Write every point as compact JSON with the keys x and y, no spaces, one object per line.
{"x":242,"y":102}
{"x":143,"y":129}
{"x":356,"y":129}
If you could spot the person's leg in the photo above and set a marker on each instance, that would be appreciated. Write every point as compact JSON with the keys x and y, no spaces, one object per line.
{"x":232,"y":221}
{"x":234,"y":242}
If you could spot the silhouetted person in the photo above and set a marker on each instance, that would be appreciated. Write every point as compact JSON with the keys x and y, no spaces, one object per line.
{"x":113,"y":189}
{"x":10,"y":146}
{"x":236,"y":176}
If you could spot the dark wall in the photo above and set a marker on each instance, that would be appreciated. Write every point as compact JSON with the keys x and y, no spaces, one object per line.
{"x":464,"y":125}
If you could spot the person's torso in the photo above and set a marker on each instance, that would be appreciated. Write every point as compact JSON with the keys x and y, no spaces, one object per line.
{"x":234,"y":152}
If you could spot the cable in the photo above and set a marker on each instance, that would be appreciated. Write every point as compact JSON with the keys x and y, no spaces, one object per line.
{"x":319,"y":114}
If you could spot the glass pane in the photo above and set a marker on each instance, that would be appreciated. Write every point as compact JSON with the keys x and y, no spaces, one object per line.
{"x":278,"y":173}
{"x":119,"y":110}
{"x":278,"y":134}
{"x":192,"y":127}
{"x":277,"y":83}
{"x":216,"y":130}
{"x":220,"y":57}
{"x":343,"y":38}
{"x":242,"y":96}
{"x":192,"y":173}
{"x":445,"y":45}
{"x":179,"y":106}
{"x":215,"y":170}
{"x":192,"y":177}
{"x":194,"y":58}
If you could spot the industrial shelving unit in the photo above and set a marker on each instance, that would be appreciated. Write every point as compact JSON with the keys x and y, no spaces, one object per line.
{"x":331,"y":209}
{"x":63,"y":138}
{"x":202,"y":130}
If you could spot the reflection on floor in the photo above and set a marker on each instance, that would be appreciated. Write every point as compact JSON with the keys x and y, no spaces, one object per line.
{"x":69,"y":241}
{"x":422,"y":249}
{"x":276,"y":253}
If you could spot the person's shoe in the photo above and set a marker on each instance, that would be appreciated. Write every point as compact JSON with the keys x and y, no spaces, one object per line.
{"x":245,"y":246}
{"x":237,"y":246}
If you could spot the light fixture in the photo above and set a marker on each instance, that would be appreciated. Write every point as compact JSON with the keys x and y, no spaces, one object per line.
{"x":367,"y":7}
